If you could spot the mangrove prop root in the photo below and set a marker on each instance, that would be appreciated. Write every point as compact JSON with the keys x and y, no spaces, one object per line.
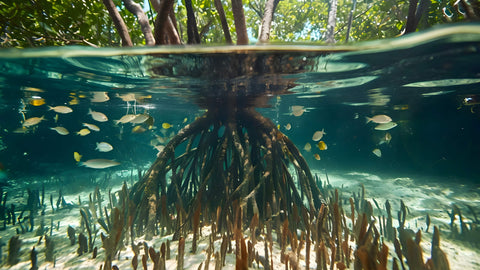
{"x":227,"y":154}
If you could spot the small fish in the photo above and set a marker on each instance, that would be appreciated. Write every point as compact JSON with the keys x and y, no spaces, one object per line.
{"x":125,"y":119}
{"x":379,"y":119}
{"x":33,"y":121}
{"x":316,"y":156}
{"x":386,"y":126}
{"x":318,"y":135}
{"x":92,"y":127}
{"x":21,"y":130}
{"x":377,"y":152}
{"x":37,"y":102}
{"x":140,"y":118}
{"x":83,"y":132}
{"x":74,"y":101}
{"x":55,"y":118}
{"x":166,"y":125}
{"x":138,"y":129}
{"x":33,"y":89}
{"x":185,"y":120}
{"x":127,"y":97}
{"x":98,"y":116}
{"x":307,"y":147}
{"x":99,"y":163}
{"x":99,"y":97}
{"x":77,"y":156}
{"x":297,"y":110}
{"x":60,"y":130}
{"x":60,"y":109}
{"x":288,"y":126}
{"x":322,"y":145}
{"x":104,"y":147}
{"x":386,"y":139}
{"x":400,"y":107}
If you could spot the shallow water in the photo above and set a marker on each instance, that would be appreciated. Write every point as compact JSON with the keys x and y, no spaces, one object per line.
{"x":429,"y":84}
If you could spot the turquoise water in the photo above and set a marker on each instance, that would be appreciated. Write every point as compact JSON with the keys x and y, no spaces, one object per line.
{"x":428,"y":84}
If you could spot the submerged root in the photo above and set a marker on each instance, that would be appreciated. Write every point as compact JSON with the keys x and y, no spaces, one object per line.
{"x":225,"y":156}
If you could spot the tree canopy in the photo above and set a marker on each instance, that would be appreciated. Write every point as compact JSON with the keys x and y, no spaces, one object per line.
{"x":36,"y":23}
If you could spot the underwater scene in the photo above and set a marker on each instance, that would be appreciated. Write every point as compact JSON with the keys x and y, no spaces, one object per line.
{"x":243,"y":157}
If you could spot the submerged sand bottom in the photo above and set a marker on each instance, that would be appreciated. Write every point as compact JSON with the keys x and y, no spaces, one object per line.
{"x":421,"y":195}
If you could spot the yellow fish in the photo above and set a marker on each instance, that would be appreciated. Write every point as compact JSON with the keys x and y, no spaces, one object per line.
{"x":74,"y":101}
{"x":37,"y":101}
{"x":138,"y":129}
{"x":77,"y":156}
{"x":185,"y":120}
{"x":322,"y":145}
{"x":316,"y":156}
{"x":83,"y":132}
{"x":166,"y":125}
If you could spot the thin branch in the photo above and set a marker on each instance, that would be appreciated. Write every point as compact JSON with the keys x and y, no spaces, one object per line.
{"x":267,"y":21}
{"x":240,"y":25}
{"x":205,"y":28}
{"x":137,"y":10}
{"x":119,"y":23}
{"x":256,"y":8}
{"x":350,"y":19}
{"x":223,"y":20}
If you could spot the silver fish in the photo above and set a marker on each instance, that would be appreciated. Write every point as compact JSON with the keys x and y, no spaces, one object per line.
{"x":99,"y":163}
{"x":386,"y":126}
{"x":127,"y":118}
{"x":60,"y":130}
{"x":92,"y":127}
{"x":98,"y":116}
{"x":33,"y":121}
{"x":60,"y":109}
{"x":379,"y":119}
{"x":104,"y":147}
{"x":140,"y":118}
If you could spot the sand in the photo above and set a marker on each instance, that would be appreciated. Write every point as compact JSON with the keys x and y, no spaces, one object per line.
{"x":420,"y":194}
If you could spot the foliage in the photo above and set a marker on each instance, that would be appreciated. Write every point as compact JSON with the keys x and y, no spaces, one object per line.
{"x":58,"y":22}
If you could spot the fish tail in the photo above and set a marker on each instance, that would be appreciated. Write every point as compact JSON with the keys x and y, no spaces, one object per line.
{"x":50,"y":108}
{"x":367,"y":119}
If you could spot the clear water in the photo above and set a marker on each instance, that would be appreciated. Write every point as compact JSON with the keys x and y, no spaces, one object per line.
{"x":429,"y":84}
{"x":420,"y":82}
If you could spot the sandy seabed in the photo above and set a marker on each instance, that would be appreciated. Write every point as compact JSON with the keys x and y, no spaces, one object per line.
{"x":420,"y":195}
